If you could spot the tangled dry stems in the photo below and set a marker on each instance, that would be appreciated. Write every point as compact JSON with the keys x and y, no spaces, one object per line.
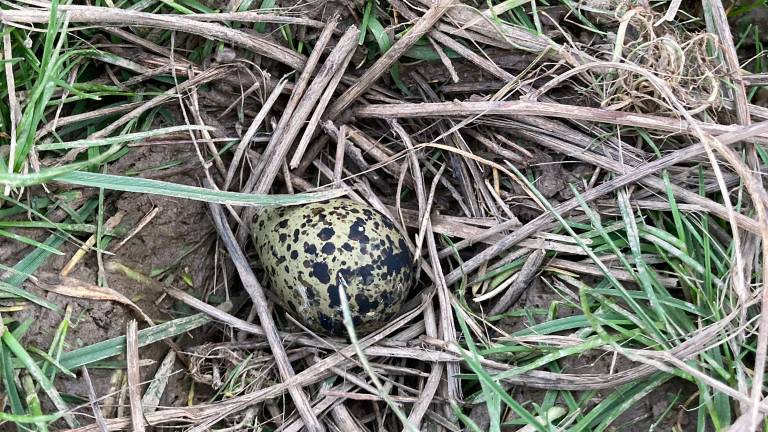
{"x":684,"y":60}
{"x":654,"y":69}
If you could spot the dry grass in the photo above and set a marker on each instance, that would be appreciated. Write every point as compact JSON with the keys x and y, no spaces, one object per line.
{"x":581,"y":187}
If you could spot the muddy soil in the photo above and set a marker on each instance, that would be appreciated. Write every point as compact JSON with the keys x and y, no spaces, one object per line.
{"x":174,"y":243}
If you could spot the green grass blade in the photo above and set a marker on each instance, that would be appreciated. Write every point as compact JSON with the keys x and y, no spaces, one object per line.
{"x":52,"y":361}
{"x":29,"y":241}
{"x":614,"y":405}
{"x":487,"y":381}
{"x":121,"y":139}
{"x":33,"y":402}
{"x":29,"y":364}
{"x":642,"y":270}
{"x":57,"y":345}
{"x":266,"y":5}
{"x":365,"y":21}
{"x":630,"y":397}
{"x":80,"y":228}
{"x":13,"y":418}
{"x":30,"y":263}
{"x":8,"y":288}
{"x":9,"y":383}
{"x":43,"y":89}
{"x":551,"y":357}
{"x":115,"y":346}
{"x":157,"y":187}
{"x":468,"y":422}
{"x":48,"y":174}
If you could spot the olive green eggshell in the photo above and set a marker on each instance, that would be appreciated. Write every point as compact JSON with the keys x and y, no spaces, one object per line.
{"x":308,"y":251}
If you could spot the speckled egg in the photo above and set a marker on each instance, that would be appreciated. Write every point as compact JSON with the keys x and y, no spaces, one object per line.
{"x":308,"y":251}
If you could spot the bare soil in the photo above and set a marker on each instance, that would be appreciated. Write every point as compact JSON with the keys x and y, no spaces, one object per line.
{"x":179,"y":228}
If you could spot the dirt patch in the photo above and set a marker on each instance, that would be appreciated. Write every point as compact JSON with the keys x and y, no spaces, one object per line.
{"x":172,"y":247}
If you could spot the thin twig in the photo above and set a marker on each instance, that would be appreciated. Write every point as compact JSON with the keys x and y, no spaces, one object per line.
{"x":388,"y":58}
{"x":103,"y":16}
{"x":428,"y":392}
{"x":536,"y":224}
{"x":296,"y":96}
{"x":252,"y":286}
{"x":344,"y":419}
{"x":223,"y":316}
{"x":337,"y":72}
{"x":245,"y":142}
{"x":530,"y":267}
{"x":134,"y":375}
{"x":99,"y":419}
{"x":284,"y":140}
{"x":263,"y":174}
{"x":13,"y":103}
{"x":364,"y":360}
{"x":519,"y":107}
{"x":338,"y":163}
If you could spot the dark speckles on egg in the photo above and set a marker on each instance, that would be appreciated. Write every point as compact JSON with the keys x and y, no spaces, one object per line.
{"x":334,"y":300}
{"x":397,"y":261}
{"x":329,"y":324}
{"x":364,"y":304}
{"x":331,"y":244}
{"x":366,"y":274}
{"x":344,"y":276}
{"x":328,"y":248}
{"x":357,"y":231}
{"x":388,"y":224}
{"x":387,"y":298}
{"x":310,"y":248}
{"x":320,"y":272}
{"x":326,"y":234}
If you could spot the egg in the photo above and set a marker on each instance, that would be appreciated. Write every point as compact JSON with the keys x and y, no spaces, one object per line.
{"x":308,"y":251}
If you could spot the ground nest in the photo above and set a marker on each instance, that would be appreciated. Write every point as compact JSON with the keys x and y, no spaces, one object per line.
{"x":579,"y":184}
